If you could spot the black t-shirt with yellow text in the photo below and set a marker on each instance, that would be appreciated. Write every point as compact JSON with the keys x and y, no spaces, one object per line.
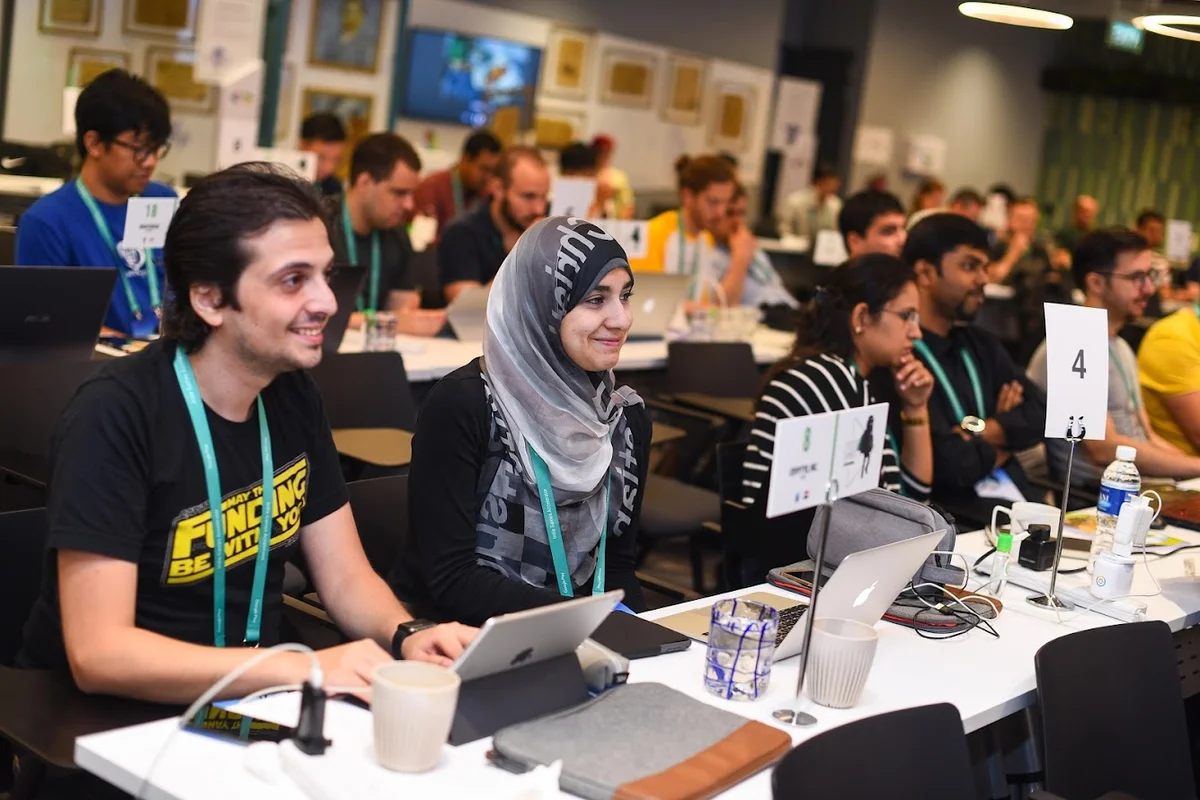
{"x":127,"y":482}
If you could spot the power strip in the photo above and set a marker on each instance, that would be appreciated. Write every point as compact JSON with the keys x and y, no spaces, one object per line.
{"x":1126,"y":609}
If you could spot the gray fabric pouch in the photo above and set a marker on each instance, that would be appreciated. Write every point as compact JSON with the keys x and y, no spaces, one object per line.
{"x":643,"y":740}
{"x":877,"y":517}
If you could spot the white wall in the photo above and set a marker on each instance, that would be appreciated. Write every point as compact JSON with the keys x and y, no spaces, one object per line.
{"x":975,"y":84}
{"x":646,"y":145}
{"x":38,"y":73}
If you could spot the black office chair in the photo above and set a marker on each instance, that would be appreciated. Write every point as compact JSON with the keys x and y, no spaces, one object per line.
{"x":719,"y":369}
{"x":366,"y":390}
{"x":380,"y":507}
{"x":918,"y":754}
{"x":1112,"y":713}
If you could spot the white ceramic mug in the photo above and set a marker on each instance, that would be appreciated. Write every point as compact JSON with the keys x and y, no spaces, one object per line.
{"x":413,"y":705}
{"x":1022,"y":515}
{"x":842,"y":653}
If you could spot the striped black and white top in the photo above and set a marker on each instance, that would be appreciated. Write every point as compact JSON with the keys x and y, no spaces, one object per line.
{"x":819,"y":384}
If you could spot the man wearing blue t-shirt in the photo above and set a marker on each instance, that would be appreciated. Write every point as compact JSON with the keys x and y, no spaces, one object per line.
{"x":122,"y":124}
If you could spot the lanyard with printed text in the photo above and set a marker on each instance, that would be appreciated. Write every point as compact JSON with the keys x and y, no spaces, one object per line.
{"x":212,"y":482}
{"x":956,"y":406}
{"x":122,"y":266}
{"x":352,"y":253}
{"x":558,"y":552}
{"x":456,"y":189}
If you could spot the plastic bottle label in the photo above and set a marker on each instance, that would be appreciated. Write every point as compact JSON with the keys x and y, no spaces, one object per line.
{"x":1112,"y":498}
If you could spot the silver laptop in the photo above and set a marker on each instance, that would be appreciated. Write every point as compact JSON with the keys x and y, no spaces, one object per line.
{"x":527,"y":637}
{"x":862,"y":588}
{"x":467,"y":313}
{"x":656,"y":298}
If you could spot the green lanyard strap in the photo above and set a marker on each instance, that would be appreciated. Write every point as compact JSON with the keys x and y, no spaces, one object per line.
{"x":212,"y":482}
{"x":956,"y":406}
{"x":456,"y":190}
{"x":558,"y":552}
{"x":122,"y":267}
{"x":352,"y":253}
{"x":681,"y":265}
{"x":1130,"y":386}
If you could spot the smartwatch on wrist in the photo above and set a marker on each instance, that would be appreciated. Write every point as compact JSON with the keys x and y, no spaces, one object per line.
{"x":406,"y":629}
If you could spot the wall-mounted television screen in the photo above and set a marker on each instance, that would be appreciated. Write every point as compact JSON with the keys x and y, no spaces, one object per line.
{"x":464,"y":79}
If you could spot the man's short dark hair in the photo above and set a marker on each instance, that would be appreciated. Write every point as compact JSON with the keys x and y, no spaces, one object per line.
{"x":377,"y":155}
{"x":116,"y":102}
{"x":481,"y":142}
{"x":967,"y":196}
{"x":1150,"y":215}
{"x":824,"y":170}
{"x":938,"y":234}
{"x":1004,"y":190}
{"x":861,"y":210}
{"x":575,"y":158}
{"x":511,"y":157}
{"x":206,"y":242}
{"x":322,"y":127}
{"x":1100,"y":249}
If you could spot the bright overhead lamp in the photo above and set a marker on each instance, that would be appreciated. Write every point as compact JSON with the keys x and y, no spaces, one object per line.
{"x":1016,"y":15}
{"x":1166,"y":25}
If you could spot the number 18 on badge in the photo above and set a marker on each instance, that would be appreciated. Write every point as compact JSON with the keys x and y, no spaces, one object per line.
{"x":1076,"y":371}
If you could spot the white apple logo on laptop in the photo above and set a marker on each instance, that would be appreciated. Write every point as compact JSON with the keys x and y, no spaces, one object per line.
{"x":864,"y":594}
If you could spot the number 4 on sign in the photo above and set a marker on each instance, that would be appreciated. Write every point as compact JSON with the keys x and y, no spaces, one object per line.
{"x":1076,"y":370}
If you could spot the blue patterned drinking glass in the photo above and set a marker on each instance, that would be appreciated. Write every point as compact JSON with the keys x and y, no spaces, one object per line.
{"x":741,"y":647}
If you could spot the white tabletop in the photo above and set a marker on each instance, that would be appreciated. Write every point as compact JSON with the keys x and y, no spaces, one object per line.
{"x":986,"y":678}
{"x":429,"y":359}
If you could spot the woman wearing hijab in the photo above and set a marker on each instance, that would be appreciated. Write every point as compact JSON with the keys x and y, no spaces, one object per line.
{"x":537,"y":417}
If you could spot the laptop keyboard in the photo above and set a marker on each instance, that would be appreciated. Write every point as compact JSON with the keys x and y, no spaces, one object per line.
{"x":788,"y":618}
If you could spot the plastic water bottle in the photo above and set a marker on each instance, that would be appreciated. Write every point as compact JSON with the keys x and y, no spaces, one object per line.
{"x":1120,"y":482}
{"x":1000,"y":562}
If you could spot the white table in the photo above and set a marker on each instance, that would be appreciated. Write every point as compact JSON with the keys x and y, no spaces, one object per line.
{"x":987,"y":679}
{"x":427,"y":359}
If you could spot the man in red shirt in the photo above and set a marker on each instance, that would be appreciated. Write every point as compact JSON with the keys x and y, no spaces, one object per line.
{"x":446,"y":194}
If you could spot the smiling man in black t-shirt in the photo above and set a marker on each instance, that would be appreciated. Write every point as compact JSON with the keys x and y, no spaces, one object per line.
{"x":135,"y":600}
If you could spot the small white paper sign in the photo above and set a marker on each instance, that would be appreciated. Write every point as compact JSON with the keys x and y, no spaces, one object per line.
{"x":228,"y":39}
{"x":422,"y":232}
{"x":147,"y":220}
{"x":1179,"y":240}
{"x":302,"y":162}
{"x":572,"y":197}
{"x":874,"y":145}
{"x":70,"y":98}
{"x":635,"y":238}
{"x":1076,"y":370}
{"x":830,"y":249}
{"x":926,"y":155}
{"x":237,"y":142}
{"x":846,"y":446}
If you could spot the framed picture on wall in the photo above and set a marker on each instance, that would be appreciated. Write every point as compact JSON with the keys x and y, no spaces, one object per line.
{"x":353,"y":109}
{"x":166,"y":19}
{"x":555,"y":128}
{"x":627,"y":78}
{"x":345,"y":34}
{"x":85,"y":63}
{"x":567,"y":69}
{"x":71,"y":17}
{"x":684,"y":102}
{"x":731,"y":116}
{"x":171,"y":71}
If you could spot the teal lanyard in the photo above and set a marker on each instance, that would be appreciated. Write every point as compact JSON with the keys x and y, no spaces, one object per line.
{"x":956,"y":405}
{"x":456,"y":189}
{"x":566,"y":588}
{"x":122,"y":267}
{"x":693,"y":272}
{"x":1129,"y":385}
{"x":212,"y":482}
{"x":352,"y":254}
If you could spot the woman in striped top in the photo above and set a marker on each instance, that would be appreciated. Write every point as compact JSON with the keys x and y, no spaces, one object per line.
{"x":865,"y":318}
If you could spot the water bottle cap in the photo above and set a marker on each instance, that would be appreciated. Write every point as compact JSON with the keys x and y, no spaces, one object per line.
{"x":1004,"y":543}
{"x":1126,"y":452}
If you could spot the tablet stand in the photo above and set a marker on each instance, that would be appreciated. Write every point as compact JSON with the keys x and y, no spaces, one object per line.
{"x":794,"y":716}
{"x":1050,"y":599}
{"x":487,"y":704}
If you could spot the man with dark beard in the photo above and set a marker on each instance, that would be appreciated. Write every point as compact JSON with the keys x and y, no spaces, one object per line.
{"x":474,"y":245}
{"x":984,"y":409}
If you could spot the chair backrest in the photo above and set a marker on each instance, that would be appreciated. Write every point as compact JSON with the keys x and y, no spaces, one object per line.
{"x":22,"y":540}
{"x":730,"y":458}
{"x":882,"y":756}
{"x":380,"y":508}
{"x":366,"y":390}
{"x":1112,"y":713}
{"x":720,"y":369}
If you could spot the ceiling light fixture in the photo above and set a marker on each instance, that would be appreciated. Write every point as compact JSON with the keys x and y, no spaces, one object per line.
{"x":1016,"y":15}
{"x":1165,"y":25}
